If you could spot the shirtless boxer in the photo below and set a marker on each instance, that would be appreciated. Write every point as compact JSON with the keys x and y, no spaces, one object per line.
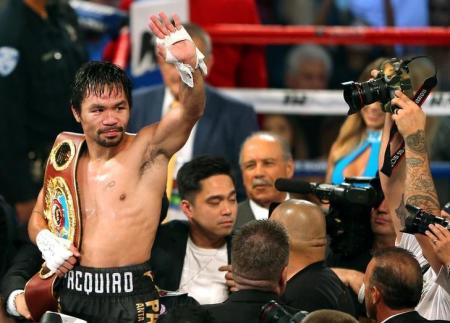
{"x":121,"y":179}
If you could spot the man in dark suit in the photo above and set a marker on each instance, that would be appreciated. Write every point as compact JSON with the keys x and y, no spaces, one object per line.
{"x":259,"y":256}
{"x":186,"y":255}
{"x":393,"y":287}
{"x":264,"y":157}
{"x":311,"y":284}
{"x":225,"y":124}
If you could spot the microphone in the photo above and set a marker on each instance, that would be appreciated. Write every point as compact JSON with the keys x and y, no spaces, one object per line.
{"x":294,"y":186}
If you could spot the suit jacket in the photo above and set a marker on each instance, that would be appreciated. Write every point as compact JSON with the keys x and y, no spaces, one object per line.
{"x":317,"y":287}
{"x":244,"y":214}
{"x":168,"y":253}
{"x":25,"y":264}
{"x":410,"y":317}
{"x":221,"y":131}
{"x":243,"y":306}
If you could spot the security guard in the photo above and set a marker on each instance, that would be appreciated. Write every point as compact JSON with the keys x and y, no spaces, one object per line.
{"x":40,"y":50}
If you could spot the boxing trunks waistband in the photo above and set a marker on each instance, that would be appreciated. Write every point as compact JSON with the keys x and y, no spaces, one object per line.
{"x":119,"y":281}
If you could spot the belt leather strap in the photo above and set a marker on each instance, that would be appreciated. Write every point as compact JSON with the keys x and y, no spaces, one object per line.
{"x":62,"y":212}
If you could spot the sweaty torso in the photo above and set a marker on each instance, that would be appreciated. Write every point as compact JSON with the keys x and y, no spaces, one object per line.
{"x":120,"y":206}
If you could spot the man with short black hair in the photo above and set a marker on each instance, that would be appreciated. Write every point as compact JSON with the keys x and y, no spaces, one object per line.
{"x":393,"y":287}
{"x":259,"y":256}
{"x":187,"y":255}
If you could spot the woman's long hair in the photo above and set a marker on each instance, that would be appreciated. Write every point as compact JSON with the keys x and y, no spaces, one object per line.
{"x":353,"y":130}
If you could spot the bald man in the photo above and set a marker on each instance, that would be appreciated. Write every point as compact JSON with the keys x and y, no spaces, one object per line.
{"x":311,"y":284}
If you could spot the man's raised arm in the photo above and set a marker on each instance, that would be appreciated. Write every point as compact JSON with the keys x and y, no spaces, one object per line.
{"x":419,"y":189}
{"x":419,"y":186}
{"x":175,"y":46}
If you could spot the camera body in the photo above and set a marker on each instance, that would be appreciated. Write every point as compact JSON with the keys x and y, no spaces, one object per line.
{"x":419,"y":220}
{"x":393,"y":75}
{"x":273,"y":312}
{"x":354,"y":190}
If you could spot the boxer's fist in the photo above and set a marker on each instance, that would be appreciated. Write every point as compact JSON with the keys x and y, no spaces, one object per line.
{"x":55,"y":250}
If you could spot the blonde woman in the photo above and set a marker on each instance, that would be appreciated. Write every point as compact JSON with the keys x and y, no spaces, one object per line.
{"x":355,"y":151}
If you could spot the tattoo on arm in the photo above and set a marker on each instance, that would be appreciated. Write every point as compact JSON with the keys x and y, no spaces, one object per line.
{"x":428,"y":203}
{"x":416,"y":141}
{"x":414,"y":162}
{"x":419,"y":187}
{"x":401,"y":212}
{"x":422,"y":183}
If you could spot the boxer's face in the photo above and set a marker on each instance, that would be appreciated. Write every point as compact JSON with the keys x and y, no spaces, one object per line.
{"x":104,"y":117}
{"x":213,"y":209}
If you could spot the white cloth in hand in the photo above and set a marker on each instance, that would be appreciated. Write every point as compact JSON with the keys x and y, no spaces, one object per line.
{"x":55,"y":250}
{"x":184,"y":70}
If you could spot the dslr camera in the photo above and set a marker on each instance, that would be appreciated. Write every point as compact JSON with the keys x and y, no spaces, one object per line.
{"x":273,"y":312}
{"x":418,"y":220}
{"x":393,"y":75}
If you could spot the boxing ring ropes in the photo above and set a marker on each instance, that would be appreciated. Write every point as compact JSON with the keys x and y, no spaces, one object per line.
{"x":328,"y":102}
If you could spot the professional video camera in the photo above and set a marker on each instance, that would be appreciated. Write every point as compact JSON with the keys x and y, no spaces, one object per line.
{"x":348,"y":218}
{"x":273,"y":312}
{"x":393,"y":75}
{"x":354,"y":190}
{"x":419,"y":220}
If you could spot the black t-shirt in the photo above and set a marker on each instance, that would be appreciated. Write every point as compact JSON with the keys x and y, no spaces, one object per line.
{"x":317,"y":287}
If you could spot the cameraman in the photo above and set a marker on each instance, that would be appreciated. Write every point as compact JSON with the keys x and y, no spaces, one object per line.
{"x":411,"y":183}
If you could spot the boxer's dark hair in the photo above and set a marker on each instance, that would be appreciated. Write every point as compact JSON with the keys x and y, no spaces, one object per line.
{"x":199,"y":168}
{"x":96,"y":78}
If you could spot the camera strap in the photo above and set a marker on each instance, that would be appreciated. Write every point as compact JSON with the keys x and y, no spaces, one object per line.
{"x":395,"y":139}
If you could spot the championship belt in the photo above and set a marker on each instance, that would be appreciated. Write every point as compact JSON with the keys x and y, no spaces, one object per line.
{"x":62,"y":212}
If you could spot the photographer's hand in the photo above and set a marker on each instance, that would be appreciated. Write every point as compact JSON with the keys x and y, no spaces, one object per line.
{"x":440,"y":239}
{"x":410,"y":118}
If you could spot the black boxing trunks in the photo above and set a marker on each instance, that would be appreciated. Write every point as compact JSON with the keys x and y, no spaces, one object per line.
{"x":123,"y":294}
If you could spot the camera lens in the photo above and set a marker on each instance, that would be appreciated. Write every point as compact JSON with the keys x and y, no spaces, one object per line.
{"x":358,"y":95}
{"x":353,"y":96}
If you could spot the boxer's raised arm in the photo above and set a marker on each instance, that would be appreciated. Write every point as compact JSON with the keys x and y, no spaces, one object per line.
{"x":175,"y":46}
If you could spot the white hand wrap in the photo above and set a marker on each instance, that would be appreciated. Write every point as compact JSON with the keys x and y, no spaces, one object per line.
{"x":55,"y":250}
{"x":185,"y":70}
